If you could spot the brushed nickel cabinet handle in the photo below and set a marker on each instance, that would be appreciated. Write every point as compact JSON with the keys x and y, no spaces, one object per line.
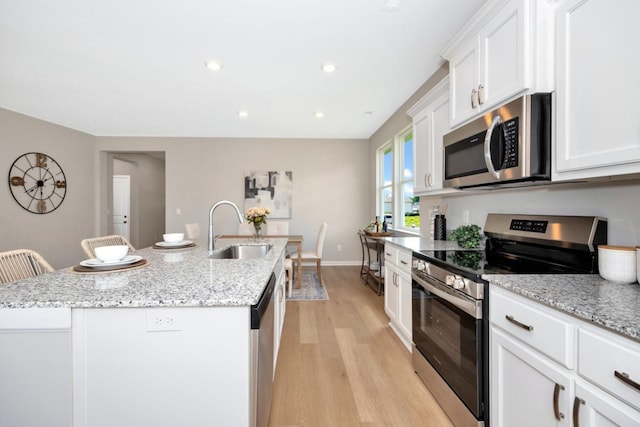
{"x":624,"y":377}
{"x":576,"y":410}
{"x":474,"y":98}
{"x":480,"y":94}
{"x":556,"y":408}
{"x":519,"y":324}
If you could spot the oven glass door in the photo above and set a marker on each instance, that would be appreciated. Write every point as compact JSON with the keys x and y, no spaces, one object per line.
{"x":451,"y":340}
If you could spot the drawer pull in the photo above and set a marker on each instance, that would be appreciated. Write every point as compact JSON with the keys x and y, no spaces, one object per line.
{"x":556,"y":409}
{"x":624,"y":377}
{"x":576,"y":410}
{"x":403,"y":262}
{"x":519,"y":324}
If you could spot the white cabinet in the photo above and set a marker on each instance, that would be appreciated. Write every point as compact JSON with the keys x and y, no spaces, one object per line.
{"x":549,"y":369}
{"x":36,"y":367}
{"x":500,"y":53}
{"x":280,"y":301}
{"x":161,"y":366}
{"x":525,"y":387}
{"x":597,"y":89}
{"x":430,"y":123}
{"x":397,"y":291}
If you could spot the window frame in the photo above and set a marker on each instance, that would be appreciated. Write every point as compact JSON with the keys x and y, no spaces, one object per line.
{"x":399,"y":180}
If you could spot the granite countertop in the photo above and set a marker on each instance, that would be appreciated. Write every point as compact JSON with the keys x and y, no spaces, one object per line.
{"x":615,"y":306}
{"x":172,"y":277}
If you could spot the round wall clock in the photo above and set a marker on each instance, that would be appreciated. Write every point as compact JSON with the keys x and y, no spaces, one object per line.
{"x":37,"y":183}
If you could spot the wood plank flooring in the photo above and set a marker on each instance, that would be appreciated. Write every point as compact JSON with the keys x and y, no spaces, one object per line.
{"x":341,"y":365}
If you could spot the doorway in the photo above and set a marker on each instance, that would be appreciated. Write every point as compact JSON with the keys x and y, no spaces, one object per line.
{"x":146,"y":217}
{"x":122,"y":205}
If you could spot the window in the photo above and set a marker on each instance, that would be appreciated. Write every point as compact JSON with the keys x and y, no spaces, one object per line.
{"x":395,"y":183}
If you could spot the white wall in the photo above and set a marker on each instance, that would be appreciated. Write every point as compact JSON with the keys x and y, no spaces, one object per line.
{"x":330,"y":183}
{"x":56,"y":235}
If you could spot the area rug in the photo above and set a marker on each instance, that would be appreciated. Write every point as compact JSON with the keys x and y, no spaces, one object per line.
{"x":310,"y":289}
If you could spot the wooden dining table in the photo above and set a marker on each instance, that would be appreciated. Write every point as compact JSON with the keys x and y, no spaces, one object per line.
{"x":292,"y":239}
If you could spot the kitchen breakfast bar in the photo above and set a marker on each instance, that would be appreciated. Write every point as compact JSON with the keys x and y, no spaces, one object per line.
{"x":165,"y":344}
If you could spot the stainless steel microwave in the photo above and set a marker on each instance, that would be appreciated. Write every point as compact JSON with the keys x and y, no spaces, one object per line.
{"x":510,"y":145}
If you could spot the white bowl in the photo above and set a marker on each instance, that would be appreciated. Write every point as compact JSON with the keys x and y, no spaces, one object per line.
{"x":617,"y":263}
{"x":173,"y":237}
{"x":111,"y":253}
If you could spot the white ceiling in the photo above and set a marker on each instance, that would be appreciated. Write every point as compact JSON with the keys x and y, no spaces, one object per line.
{"x":136,"y":67}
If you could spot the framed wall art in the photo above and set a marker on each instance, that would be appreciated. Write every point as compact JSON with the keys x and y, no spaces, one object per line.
{"x":271,"y":189}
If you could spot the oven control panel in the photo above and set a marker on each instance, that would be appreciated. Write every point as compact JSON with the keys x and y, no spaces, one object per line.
{"x":529,"y":225}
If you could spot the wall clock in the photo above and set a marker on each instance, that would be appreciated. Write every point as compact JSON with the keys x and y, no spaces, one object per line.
{"x":37,"y":183}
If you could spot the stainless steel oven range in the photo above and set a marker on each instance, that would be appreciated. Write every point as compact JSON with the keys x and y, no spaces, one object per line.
{"x":450,"y":304}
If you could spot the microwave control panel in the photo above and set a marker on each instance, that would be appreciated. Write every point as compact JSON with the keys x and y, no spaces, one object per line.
{"x":509,"y":133}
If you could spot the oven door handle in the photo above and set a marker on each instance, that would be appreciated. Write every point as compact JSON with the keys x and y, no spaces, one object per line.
{"x":497,"y":120}
{"x":471,"y":307}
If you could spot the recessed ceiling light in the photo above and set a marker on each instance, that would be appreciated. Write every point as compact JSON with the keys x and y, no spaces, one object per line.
{"x":213,"y":65}
{"x":329,"y":68}
{"x":368,"y":113}
{"x":391,"y":5}
{"x":319,"y":114}
{"x":243,"y":113}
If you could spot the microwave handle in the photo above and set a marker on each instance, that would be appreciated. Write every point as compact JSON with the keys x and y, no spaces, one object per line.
{"x":497,"y":120}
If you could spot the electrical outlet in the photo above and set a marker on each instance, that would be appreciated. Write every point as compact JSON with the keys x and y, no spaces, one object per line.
{"x":178,"y":211}
{"x":162,"y":320}
{"x":465,"y":217}
{"x":339,"y":248}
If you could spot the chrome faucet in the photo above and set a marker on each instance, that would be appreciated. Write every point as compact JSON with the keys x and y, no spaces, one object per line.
{"x":212,"y":237}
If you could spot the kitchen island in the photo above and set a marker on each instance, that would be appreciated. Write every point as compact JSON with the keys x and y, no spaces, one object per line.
{"x":165,"y":344}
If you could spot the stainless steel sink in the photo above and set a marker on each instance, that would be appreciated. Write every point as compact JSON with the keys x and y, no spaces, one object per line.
{"x":242,"y":252}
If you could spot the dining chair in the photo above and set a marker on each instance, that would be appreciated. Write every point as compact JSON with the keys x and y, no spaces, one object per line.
{"x":88,"y":245}
{"x":315,"y":255}
{"x":192,"y":230}
{"x":277,"y":228}
{"x":246,"y":229}
{"x":21,"y":264}
{"x":288,"y":267}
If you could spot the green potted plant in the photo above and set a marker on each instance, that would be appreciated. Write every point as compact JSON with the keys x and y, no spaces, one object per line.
{"x":467,"y":236}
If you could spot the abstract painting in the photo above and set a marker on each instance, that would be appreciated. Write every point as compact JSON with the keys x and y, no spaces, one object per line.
{"x":271,"y":189}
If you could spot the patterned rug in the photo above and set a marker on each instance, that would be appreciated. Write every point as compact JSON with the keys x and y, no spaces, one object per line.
{"x":310,"y":289}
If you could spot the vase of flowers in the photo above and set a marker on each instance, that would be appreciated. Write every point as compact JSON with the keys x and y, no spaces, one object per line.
{"x":258,"y":217}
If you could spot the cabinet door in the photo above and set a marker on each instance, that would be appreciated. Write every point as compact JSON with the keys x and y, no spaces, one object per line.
{"x":404,"y":307}
{"x":598,"y":89}
{"x":504,"y":56}
{"x":592,"y":407}
{"x":526,"y":389}
{"x":422,"y":157}
{"x":464,"y":77}
{"x":429,"y":126}
{"x":391,"y":293}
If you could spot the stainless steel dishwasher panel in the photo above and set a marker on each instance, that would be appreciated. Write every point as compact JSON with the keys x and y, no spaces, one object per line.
{"x":262,"y":352}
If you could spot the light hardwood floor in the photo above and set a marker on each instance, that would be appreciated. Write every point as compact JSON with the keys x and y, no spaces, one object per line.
{"x":341,"y":365}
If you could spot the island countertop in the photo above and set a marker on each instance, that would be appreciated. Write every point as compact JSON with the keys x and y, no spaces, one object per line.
{"x":172,"y":278}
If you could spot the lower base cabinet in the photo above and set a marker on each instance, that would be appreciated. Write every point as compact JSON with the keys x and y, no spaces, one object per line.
{"x":530,"y":389}
{"x":397,"y":291}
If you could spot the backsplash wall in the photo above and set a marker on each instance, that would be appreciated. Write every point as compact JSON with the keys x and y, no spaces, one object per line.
{"x":619,"y":202}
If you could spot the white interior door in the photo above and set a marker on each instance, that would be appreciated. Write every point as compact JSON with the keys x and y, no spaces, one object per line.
{"x":121,"y":205}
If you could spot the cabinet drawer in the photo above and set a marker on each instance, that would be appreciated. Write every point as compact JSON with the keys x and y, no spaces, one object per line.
{"x":601,"y":355}
{"x":404,"y":261}
{"x":390,"y":254}
{"x":545,"y":332}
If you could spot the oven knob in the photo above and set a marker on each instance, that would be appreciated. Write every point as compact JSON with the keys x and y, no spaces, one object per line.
{"x":458,"y":283}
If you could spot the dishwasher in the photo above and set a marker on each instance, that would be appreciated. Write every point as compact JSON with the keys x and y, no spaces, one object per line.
{"x":262,"y":341}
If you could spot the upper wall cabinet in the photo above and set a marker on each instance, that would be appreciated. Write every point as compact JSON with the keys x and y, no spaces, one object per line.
{"x":500,"y":53}
{"x":430,"y":123}
{"x":597,"y":89}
